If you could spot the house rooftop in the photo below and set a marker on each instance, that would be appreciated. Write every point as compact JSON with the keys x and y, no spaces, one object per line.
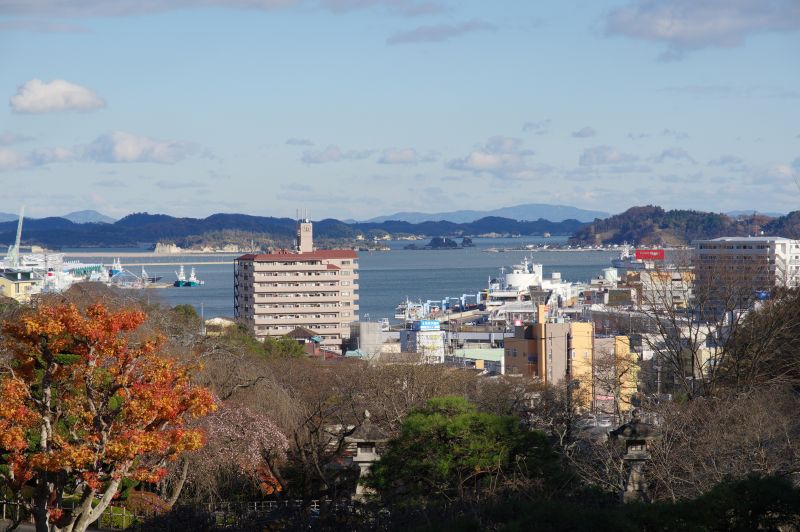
{"x":289,"y":256}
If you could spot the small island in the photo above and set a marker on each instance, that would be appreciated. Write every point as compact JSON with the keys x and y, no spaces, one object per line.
{"x":440,"y":243}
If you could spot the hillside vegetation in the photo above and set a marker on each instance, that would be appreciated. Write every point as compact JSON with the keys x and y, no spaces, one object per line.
{"x":651,"y":225}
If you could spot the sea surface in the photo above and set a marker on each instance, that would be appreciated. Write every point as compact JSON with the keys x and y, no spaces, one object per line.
{"x":386,"y":277}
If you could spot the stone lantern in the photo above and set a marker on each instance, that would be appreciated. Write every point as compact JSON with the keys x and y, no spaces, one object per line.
{"x":637,"y":436}
{"x":366,"y":437}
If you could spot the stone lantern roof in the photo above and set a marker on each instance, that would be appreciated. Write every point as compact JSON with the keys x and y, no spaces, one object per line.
{"x":635,"y":429}
{"x":367,"y":432}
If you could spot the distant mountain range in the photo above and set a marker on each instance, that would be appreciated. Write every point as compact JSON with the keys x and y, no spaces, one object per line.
{"x":78,"y":217}
{"x":527,"y":211}
{"x":646,"y":225}
{"x":138,"y":228}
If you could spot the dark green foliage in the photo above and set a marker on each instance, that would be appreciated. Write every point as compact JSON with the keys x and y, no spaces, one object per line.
{"x":750,"y":504}
{"x":282,"y":348}
{"x":240,"y":338}
{"x":187,"y":312}
{"x":66,"y":359}
{"x":788,"y":226}
{"x":651,"y":225}
{"x":448,"y":451}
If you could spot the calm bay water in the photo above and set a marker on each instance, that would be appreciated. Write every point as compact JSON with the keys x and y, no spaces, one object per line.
{"x":386,"y":278}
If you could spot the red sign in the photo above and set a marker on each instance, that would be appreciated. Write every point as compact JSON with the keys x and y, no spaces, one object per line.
{"x":650,"y":254}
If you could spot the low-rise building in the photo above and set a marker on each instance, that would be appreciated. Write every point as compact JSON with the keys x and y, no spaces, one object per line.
{"x":20,"y":284}
{"x":491,"y":360}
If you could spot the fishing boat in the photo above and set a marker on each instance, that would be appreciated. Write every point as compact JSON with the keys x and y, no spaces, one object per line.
{"x":150,"y":278}
{"x":193,"y":280}
{"x":182,"y":280}
{"x":116,"y":268}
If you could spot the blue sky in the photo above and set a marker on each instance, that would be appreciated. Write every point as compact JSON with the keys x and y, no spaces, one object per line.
{"x":356,"y":108}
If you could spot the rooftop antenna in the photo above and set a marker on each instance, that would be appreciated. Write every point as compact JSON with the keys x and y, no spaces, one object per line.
{"x":12,"y":258}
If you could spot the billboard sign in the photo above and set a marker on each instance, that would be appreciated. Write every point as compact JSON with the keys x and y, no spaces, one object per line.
{"x":650,"y":254}
{"x":427,"y":325}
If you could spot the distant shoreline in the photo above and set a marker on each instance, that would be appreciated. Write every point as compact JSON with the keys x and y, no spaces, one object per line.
{"x":143,"y":254}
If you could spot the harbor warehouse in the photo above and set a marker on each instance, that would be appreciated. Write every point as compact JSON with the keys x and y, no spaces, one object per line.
{"x":317,"y":289}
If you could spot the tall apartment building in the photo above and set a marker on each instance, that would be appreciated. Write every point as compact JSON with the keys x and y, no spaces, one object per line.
{"x":317,"y":289}
{"x":752,"y":263}
{"x":553,"y":353}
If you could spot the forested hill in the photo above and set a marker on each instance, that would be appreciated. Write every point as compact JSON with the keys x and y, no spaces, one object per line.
{"x":788,"y":226}
{"x":220,"y":229}
{"x":651,"y":225}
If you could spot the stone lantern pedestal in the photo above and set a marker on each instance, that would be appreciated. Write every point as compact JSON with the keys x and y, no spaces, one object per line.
{"x":637,"y":436}
{"x":366,"y":437}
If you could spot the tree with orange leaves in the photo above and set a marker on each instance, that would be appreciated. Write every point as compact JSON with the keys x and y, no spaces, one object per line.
{"x":85,"y":401}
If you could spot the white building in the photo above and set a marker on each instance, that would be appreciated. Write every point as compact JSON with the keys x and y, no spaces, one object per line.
{"x":764,"y":261}
{"x":426,"y":339}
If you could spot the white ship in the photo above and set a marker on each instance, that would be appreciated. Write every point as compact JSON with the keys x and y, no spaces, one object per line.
{"x":508,"y":298}
{"x":627,"y":260}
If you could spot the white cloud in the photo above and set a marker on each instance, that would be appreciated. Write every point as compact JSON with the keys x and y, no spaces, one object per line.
{"x":604,"y":155}
{"x":585,"y":132}
{"x":399,"y":156}
{"x":677,"y":135}
{"x":39,"y":26}
{"x":43,"y":156}
{"x":122,"y":147}
{"x":726,"y":160}
{"x":7,"y":138}
{"x":116,"y":147}
{"x":117,"y":8}
{"x":438,"y":33}
{"x":12,"y":160}
{"x":675,"y":154}
{"x":501,"y":157}
{"x":686,"y":25}
{"x":409,"y":8}
{"x":537,"y":128}
{"x":37,"y":96}
{"x":333,"y":154}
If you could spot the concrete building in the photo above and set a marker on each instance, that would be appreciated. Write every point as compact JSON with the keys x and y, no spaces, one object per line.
{"x":616,"y":374}
{"x":426,"y":339}
{"x":553,"y":353}
{"x":668,"y":288}
{"x":757,"y":263}
{"x":367,"y":337}
{"x":317,"y":289}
